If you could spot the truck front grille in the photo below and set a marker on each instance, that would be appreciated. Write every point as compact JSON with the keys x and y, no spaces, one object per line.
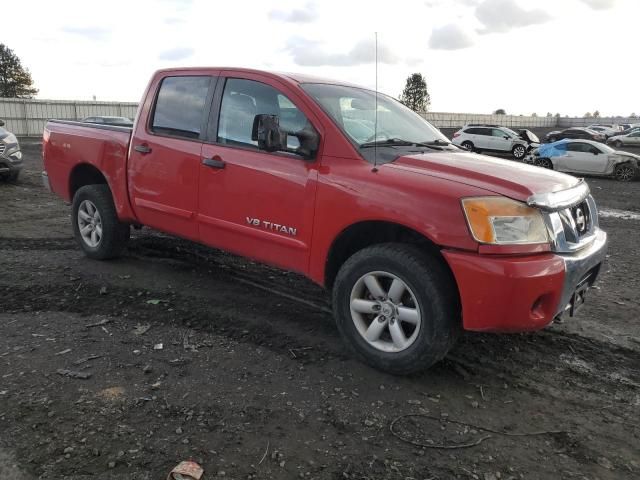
{"x":3,"y":146}
{"x":573,"y":228}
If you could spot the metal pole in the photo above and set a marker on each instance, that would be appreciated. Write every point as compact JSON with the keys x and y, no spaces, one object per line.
{"x":26,"y":120}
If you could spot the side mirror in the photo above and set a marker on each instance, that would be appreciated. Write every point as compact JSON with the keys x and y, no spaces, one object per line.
{"x":309,"y":141}
{"x":1,"y":123}
{"x":506,"y":137}
{"x":266,"y":131}
{"x":595,"y":152}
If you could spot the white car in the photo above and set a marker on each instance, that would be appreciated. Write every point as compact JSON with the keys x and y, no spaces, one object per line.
{"x":586,"y":157}
{"x":493,"y":138}
{"x":631,"y":139}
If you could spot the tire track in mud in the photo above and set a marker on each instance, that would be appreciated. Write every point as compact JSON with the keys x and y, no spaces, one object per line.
{"x":64,"y":243}
{"x":255,"y":326}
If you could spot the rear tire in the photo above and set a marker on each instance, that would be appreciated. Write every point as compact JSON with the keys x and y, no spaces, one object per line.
{"x":425,"y":307}
{"x":553,"y":140}
{"x":95,"y":223}
{"x":617,"y":144}
{"x":467,"y":145}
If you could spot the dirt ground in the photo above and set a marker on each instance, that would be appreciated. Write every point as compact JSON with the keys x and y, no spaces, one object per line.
{"x":121,"y":369}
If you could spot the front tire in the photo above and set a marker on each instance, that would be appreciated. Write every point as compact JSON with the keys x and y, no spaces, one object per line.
{"x":95,"y":223}
{"x":519,"y":151}
{"x":624,"y":172}
{"x":617,"y":144}
{"x":545,"y":163}
{"x":467,"y":145}
{"x":397,"y":307}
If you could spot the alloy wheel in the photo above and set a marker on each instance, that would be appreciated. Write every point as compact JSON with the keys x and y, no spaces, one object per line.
{"x":519,"y":152}
{"x":89,"y":223}
{"x":385,"y":311}
{"x":625,"y":173}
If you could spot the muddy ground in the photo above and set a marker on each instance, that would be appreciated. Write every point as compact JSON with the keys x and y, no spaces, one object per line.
{"x":191,"y":353}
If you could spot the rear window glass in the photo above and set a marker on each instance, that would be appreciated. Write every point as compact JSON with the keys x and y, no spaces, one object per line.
{"x":180,"y":106}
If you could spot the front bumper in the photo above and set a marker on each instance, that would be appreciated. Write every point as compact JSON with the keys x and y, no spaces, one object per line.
{"x":11,"y":163}
{"x":522,"y":293}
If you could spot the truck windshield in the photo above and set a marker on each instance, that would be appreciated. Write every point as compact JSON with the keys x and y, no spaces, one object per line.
{"x":354,"y":111}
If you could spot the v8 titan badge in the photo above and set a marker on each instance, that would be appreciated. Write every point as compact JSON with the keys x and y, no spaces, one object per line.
{"x":274,"y":227}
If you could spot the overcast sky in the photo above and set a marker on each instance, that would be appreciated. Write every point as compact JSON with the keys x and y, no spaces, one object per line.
{"x":566,"y":56}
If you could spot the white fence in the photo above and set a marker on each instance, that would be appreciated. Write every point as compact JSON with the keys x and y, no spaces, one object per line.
{"x":583,"y":122}
{"x":455,"y":120}
{"x":27,"y":117}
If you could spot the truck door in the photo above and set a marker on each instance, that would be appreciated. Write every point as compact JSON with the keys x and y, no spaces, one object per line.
{"x":164,"y":161}
{"x":252,"y":202}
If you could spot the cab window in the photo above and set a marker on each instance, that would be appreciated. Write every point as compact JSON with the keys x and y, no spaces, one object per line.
{"x":243,"y":99}
{"x":180,"y":106}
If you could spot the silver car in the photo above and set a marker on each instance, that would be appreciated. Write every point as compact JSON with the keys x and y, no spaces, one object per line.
{"x":10,"y":155}
{"x":586,"y":157}
{"x":631,"y":139}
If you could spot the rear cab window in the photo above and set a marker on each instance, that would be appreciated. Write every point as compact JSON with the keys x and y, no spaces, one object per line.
{"x":180,"y":106}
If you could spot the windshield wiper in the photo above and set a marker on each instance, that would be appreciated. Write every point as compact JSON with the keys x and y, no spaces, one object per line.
{"x":437,"y":141}
{"x":398,"y":142}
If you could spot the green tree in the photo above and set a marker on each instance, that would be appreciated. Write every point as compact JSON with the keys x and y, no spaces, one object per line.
{"x":587,"y":115}
{"x":596,"y":114}
{"x":549,"y":114}
{"x":415,"y":94}
{"x":500,"y":111}
{"x":15,"y":80}
{"x":534,"y":114}
{"x":633,"y":115}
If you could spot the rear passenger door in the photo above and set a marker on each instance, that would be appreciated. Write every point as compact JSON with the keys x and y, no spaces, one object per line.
{"x":165,"y":153}
{"x":483,"y":139}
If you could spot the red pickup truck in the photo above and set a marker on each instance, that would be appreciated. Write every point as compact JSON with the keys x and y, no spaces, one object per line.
{"x":416,"y":238}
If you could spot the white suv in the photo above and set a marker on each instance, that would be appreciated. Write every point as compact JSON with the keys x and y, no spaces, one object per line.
{"x":494,"y":138}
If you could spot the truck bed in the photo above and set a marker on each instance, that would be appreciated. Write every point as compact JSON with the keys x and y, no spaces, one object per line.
{"x":74,"y":149}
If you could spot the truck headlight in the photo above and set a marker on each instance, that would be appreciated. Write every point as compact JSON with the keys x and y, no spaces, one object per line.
{"x":500,"y":221}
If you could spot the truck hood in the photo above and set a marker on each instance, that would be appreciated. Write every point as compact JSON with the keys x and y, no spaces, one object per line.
{"x":504,"y":177}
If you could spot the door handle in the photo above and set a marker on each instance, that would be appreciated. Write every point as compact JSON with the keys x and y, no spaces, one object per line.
{"x":143,"y":149}
{"x":215,"y":162}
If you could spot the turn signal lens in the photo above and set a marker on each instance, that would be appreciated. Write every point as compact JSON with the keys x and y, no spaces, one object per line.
{"x":502,"y":221}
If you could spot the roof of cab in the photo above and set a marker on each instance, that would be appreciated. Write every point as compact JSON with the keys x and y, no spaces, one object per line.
{"x":287,"y":76}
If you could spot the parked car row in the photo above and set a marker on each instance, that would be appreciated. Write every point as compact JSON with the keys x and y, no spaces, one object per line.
{"x":578,"y":150}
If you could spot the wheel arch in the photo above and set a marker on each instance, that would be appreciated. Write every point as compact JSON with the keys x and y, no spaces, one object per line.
{"x":85,"y":174}
{"x":363,"y":234}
